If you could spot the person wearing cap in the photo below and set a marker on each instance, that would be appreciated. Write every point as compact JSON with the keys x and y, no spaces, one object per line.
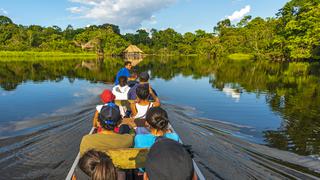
{"x":168,"y":159}
{"x":125,"y":71}
{"x":143,"y":80}
{"x":109,"y":137}
{"x":107,"y":98}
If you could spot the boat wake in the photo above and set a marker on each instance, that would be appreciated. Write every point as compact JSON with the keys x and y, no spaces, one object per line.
{"x":222,"y":155}
{"x":43,"y":148}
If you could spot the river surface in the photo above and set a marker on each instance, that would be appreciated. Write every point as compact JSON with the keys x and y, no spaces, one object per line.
{"x":244,"y":119}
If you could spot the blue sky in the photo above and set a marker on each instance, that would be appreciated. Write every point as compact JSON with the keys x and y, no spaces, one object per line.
{"x":182,"y":15}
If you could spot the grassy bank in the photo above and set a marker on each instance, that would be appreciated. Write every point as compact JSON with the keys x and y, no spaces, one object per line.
{"x":13,"y":54}
{"x":240,"y":56}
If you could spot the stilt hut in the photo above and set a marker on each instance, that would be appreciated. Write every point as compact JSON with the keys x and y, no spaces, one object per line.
{"x":133,"y":52}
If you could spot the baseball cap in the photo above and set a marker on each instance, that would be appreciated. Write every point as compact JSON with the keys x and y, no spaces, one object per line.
{"x":144,"y":76}
{"x":167,"y":159}
{"x":109,"y":116}
{"x":107,"y":96}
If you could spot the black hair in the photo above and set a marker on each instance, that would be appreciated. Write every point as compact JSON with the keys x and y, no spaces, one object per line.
{"x":144,"y":77}
{"x":141,"y":79}
{"x":157,"y":118}
{"x":123,"y":81}
{"x":98,"y":165}
{"x":142,"y":92}
{"x":127,"y":63}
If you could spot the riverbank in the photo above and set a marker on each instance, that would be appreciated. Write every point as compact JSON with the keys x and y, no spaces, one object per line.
{"x":240,"y":56}
{"x":12,"y":54}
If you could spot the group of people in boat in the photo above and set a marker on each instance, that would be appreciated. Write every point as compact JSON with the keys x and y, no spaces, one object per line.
{"x":131,"y":117}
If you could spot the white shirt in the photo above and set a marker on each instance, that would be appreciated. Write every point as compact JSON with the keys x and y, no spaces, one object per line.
{"x":121,"y":93}
{"x":99,"y":107}
{"x":142,"y":110}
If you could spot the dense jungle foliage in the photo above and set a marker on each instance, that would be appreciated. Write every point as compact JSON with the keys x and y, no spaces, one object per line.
{"x":294,"y":34}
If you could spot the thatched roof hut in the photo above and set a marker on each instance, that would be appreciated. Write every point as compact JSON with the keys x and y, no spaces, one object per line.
{"x":133,"y":49}
{"x":133,"y":52}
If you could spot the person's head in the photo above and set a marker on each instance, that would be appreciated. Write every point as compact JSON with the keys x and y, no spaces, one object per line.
{"x":128,"y":65}
{"x":109,"y":117}
{"x":157,"y":118}
{"x":134,"y":73}
{"x":167,"y":159}
{"x":123,"y":81}
{"x":142,"y":92}
{"x":144,"y":77}
{"x":98,"y":166}
{"x":107,"y":96}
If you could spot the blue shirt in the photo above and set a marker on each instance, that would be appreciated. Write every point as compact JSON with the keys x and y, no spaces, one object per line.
{"x":132,"y":95}
{"x":147,"y":140}
{"x":122,"y":72}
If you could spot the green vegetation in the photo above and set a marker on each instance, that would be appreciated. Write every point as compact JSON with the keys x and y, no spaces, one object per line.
{"x":292,"y":35}
{"x":240,"y":56}
{"x":46,"y":54}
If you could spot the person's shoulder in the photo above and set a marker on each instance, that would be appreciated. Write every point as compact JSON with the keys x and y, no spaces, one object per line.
{"x":144,"y":140}
{"x":92,"y":136}
{"x":133,"y":88}
{"x":127,"y":87}
{"x":99,"y":107}
{"x":88,"y":139}
{"x":116,"y":86}
{"x":121,"y":136}
{"x":144,"y":136}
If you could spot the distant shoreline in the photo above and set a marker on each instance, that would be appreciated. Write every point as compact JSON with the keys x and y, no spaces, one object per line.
{"x":59,"y":54}
{"x":13,"y":54}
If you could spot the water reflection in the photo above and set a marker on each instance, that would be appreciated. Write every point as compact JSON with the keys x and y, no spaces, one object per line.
{"x":232,"y":92}
{"x":290,"y":90}
{"x":14,"y":73}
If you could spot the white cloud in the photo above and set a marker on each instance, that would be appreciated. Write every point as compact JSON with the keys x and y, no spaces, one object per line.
{"x":153,"y":20}
{"x":3,"y":11}
{"x":128,"y":14}
{"x":76,"y":10}
{"x":237,"y":15}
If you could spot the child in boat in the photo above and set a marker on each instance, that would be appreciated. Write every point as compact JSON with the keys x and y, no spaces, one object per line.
{"x":157,"y":121}
{"x":140,"y":107}
{"x":121,"y":93}
{"x":110,"y":136}
{"x":107,"y":99}
{"x":96,"y":165}
{"x":121,"y":90}
{"x":168,"y":159}
{"x":143,"y":80}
